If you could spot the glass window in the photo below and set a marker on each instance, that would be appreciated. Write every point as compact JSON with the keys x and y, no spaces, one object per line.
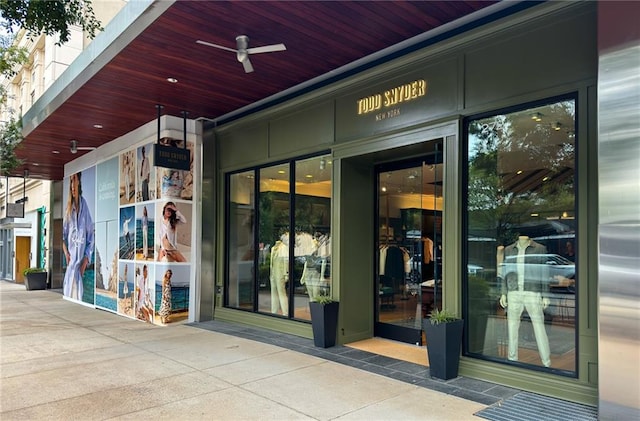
{"x":273,"y":236}
{"x":293,"y":261}
{"x":521,"y":241}
{"x":240,"y":263}
{"x":312,"y":251}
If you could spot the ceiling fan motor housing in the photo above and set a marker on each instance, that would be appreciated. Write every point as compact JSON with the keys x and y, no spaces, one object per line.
{"x":243,"y":43}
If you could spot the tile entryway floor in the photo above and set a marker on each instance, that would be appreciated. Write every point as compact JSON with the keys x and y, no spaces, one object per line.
{"x":398,"y":350}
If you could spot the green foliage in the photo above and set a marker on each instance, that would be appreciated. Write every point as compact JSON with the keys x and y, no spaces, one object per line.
{"x":310,"y":212}
{"x":11,"y":58}
{"x":500,"y":145}
{"x":323,"y":299}
{"x":35,"y":17}
{"x":442,"y":316}
{"x":264,"y":272}
{"x":49,"y":17}
{"x":33,"y":270}
{"x":478,"y":287}
{"x":10,"y":138}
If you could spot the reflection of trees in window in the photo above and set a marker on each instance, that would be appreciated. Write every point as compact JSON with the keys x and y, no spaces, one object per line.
{"x":274,"y":215}
{"x":311,"y":214}
{"x":521,"y":170}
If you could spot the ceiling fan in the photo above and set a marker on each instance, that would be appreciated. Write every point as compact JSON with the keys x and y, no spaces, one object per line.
{"x":74,"y":148}
{"x":243,"y":50}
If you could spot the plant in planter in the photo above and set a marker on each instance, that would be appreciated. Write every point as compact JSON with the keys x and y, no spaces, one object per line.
{"x":324,"y":320}
{"x":35,"y":278}
{"x":443,"y":330}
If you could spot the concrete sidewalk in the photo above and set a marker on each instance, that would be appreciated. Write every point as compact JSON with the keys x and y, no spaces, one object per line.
{"x":63,"y":361}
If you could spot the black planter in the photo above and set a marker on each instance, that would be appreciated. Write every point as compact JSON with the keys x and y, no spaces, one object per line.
{"x":324,"y":322}
{"x":444,"y":342}
{"x":35,"y":280}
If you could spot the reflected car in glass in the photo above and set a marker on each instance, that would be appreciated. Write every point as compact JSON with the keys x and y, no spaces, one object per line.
{"x":474,"y":269}
{"x":558,"y":267}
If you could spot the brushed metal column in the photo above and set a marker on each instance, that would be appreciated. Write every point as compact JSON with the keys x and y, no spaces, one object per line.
{"x":619,"y":211}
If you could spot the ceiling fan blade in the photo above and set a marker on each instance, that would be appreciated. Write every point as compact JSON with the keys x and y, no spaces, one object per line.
{"x":266,"y":49}
{"x":246,"y":63}
{"x":222,"y":47}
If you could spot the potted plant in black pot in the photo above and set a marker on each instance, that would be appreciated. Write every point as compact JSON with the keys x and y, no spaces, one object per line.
{"x":443,"y":330}
{"x":324,"y":320}
{"x":35,"y":278}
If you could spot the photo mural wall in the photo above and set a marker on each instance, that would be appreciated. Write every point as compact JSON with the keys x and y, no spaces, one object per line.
{"x":78,"y":236}
{"x":128,"y":236}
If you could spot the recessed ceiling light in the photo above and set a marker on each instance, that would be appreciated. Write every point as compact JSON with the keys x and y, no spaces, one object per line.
{"x":56,"y":152}
{"x":309,"y":176}
{"x":35,"y":164}
{"x":97,"y":126}
{"x":172,"y":80}
{"x":280,"y":171}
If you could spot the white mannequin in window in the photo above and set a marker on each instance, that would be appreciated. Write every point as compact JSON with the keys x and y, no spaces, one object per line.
{"x":279,"y":275}
{"x":524,"y":279}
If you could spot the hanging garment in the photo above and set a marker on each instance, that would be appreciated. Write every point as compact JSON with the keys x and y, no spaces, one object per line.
{"x":394,"y":263}
{"x":427,"y":247}
{"x":305,"y":245}
{"x":383,"y":259}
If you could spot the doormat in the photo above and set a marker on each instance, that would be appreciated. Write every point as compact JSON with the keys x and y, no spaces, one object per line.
{"x":527,"y":406}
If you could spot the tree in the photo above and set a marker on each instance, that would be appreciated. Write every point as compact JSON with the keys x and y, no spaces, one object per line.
{"x":49,"y":17}
{"x":10,"y":138}
{"x":501,"y":200}
{"x":35,"y":17}
{"x":10,"y":131}
{"x":12,"y":57}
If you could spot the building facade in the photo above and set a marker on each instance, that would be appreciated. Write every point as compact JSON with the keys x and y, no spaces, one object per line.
{"x":415,"y":185}
{"x":24,"y":240}
{"x":459,"y":176}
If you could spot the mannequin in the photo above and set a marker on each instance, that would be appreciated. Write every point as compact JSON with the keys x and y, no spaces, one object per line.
{"x":279,"y":275}
{"x":524,"y":278}
{"x":314,"y":265}
{"x":313,"y":275}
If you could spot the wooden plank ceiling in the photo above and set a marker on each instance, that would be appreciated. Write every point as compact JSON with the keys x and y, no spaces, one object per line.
{"x":320,"y":36}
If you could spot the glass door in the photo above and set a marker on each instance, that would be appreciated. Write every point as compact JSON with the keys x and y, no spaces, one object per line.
{"x":409,"y":231}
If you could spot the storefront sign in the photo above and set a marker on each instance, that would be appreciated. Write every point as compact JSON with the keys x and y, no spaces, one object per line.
{"x":172,"y":157}
{"x":391,"y":101}
{"x":388,"y":100}
{"x":15,"y":210}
